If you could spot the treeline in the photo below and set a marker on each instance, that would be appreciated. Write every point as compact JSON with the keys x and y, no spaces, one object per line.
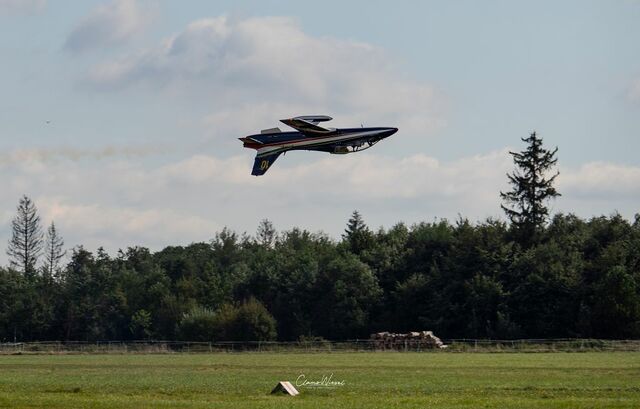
{"x":458,"y":279}
{"x":529,"y":278}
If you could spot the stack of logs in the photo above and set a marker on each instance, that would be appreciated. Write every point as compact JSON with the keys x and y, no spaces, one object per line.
{"x":411,"y":340}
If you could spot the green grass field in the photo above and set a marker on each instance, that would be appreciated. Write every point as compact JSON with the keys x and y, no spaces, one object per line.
{"x":380,"y":380}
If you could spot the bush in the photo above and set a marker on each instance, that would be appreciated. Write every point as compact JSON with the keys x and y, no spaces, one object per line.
{"x":140,"y":326}
{"x":249,"y":321}
{"x":199,"y":324}
{"x":253,"y":322}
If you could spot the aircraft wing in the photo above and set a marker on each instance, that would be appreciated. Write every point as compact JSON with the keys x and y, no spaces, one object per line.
{"x":308,"y":124}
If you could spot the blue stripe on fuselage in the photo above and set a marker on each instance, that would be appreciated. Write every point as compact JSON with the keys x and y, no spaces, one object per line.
{"x":277,"y":137}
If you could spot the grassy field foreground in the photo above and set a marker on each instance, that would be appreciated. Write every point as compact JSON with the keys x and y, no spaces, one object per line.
{"x":382,"y":380}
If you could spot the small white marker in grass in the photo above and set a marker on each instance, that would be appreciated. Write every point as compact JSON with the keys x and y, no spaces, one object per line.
{"x":285,"y":387}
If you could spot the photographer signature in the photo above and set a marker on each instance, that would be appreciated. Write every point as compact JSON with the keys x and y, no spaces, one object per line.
{"x":324,"y":382}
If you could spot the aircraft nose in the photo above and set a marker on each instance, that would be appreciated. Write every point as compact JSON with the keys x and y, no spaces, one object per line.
{"x":391,"y":131}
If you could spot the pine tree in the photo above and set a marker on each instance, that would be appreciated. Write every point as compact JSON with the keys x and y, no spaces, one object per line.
{"x":53,"y":251}
{"x":357,"y":234}
{"x":26,"y":241}
{"x":525,"y":203}
{"x":266,"y":234}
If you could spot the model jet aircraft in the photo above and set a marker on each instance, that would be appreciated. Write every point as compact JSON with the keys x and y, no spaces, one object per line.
{"x":310,"y":136}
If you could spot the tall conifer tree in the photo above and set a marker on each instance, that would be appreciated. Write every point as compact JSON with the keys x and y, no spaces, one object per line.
{"x":53,"y":251}
{"x":357,"y":234}
{"x":532,"y":186}
{"x":26,"y":240}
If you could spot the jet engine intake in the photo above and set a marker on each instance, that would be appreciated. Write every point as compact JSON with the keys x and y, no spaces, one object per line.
{"x":341,"y":150}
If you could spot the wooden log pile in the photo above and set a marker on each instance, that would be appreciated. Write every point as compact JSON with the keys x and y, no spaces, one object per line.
{"x":414,"y":340}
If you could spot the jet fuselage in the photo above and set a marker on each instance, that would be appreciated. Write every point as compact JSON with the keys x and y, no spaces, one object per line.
{"x":270,"y":143}
{"x":284,"y":141}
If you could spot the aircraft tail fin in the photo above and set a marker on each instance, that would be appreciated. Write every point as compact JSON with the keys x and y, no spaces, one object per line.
{"x":262,"y":163}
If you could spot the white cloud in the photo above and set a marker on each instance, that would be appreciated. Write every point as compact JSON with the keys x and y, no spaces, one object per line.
{"x":602,"y":180}
{"x":143,"y":225}
{"x":116,"y":203}
{"x":109,"y":24}
{"x":249,"y":71}
{"x":243,"y":75}
{"x":21,"y":6}
{"x":39,"y":156}
{"x":633,"y":94}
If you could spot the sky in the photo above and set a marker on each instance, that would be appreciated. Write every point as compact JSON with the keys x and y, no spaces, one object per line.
{"x":120,"y":118}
